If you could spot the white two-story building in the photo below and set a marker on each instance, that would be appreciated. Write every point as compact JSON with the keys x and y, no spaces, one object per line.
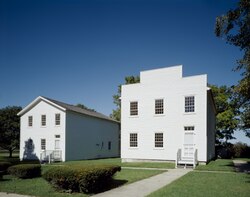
{"x":168,"y":117}
{"x":52,"y":130}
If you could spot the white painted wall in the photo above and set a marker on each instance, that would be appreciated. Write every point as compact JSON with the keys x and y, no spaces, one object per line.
{"x":37,"y":132}
{"x":87,"y":137}
{"x":164,"y":83}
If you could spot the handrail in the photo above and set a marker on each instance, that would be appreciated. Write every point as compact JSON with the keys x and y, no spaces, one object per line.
{"x":50,"y":155}
{"x":178,"y":157}
{"x":195,"y":158}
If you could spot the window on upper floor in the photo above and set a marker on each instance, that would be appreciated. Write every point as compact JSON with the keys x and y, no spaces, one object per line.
{"x":30,"y":121}
{"x":189,"y":104}
{"x":43,"y":144}
{"x":159,"y":106}
{"x":158,"y":140}
{"x":133,"y":140}
{"x":57,"y":119}
{"x":43,"y":120}
{"x":134,"y":108}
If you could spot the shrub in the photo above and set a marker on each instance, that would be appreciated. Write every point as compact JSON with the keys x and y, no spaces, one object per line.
{"x":241,"y":150}
{"x":25,"y":171}
{"x":4,"y":165}
{"x":88,"y":179}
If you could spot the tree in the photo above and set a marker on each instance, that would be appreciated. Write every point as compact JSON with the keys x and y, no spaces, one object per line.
{"x":84,"y":107}
{"x":9,"y":128}
{"x":116,"y":114}
{"x":234,"y":27}
{"x":227,"y":113}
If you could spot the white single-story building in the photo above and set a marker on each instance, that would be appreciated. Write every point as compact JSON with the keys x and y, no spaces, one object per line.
{"x":52,"y":130}
{"x":168,"y":117}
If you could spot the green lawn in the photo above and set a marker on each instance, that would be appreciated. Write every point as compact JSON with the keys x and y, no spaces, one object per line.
{"x":221,"y":180}
{"x":117,"y":161}
{"x":39,"y":187}
{"x":218,"y":165}
{"x":208,"y":184}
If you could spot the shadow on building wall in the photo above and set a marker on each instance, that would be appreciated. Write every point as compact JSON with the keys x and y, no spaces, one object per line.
{"x":29,"y":148}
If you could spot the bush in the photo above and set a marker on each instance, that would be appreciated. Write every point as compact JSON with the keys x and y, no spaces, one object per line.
{"x":241,"y":150}
{"x":89,"y":179}
{"x":25,"y":171}
{"x":4,"y":165}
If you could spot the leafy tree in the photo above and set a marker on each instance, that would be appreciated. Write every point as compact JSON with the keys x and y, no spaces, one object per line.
{"x":84,"y":107}
{"x":234,"y":27}
{"x":116,"y":114}
{"x":9,"y":128}
{"x":227,"y":113}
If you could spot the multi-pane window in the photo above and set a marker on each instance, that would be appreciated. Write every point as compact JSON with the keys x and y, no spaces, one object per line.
{"x":57,"y":119}
{"x":43,"y":144}
{"x":133,"y":140}
{"x":57,"y":136}
{"x":43,"y":120}
{"x":189,"y":104}
{"x":134,"y":108}
{"x":158,"y":140}
{"x":189,"y":128}
{"x":159,"y":106}
{"x":30,"y":121}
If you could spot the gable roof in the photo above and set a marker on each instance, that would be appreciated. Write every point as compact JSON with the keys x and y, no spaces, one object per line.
{"x":65,"y":107}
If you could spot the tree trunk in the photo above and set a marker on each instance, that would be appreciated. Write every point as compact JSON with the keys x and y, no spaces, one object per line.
{"x":10,"y":153}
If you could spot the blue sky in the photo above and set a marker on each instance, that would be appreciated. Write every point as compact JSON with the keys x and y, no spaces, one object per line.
{"x":80,"y":51}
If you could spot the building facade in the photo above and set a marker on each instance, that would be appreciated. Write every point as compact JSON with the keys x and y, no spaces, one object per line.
{"x":166,"y":113}
{"x":52,"y":130}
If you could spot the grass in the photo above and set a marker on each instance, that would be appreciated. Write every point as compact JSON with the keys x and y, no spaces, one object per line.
{"x":40,"y":187}
{"x":117,"y":161}
{"x":220,"y":181}
{"x":218,"y":165}
{"x":208,"y":184}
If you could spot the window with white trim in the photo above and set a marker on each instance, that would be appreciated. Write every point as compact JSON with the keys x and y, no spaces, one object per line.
{"x":158,"y":140}
{"x":30,"y":121}
{"x":43,"y":144}
{"x":57,"y":136}
{"x":133,"y":108}
{"x":189,"y":128}
{"x":57,"y":119}
{"x":43,"y":120}
{"x":189,"y":104}
{"x":159,"y":106}
{"x":133,"y":140}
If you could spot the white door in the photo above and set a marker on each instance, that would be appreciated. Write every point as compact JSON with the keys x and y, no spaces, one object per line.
{"x":57,"y":152}
{"x":188,"y":145}
{"x":57,"y":144}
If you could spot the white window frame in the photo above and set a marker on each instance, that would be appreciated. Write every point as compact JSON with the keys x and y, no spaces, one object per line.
{"x":158,"y":141}
{"x":159,"y":107}
{"x":43,"y":121}
{"x":189,"y":106}
{"x":189,"y":128}
{"x":133,"y":140}
{"x":57,"y":119}
{"x":30,"y":121}
{"x":43,"y":144}
{"x":57,"y":136}
{"x":135,"y":110}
